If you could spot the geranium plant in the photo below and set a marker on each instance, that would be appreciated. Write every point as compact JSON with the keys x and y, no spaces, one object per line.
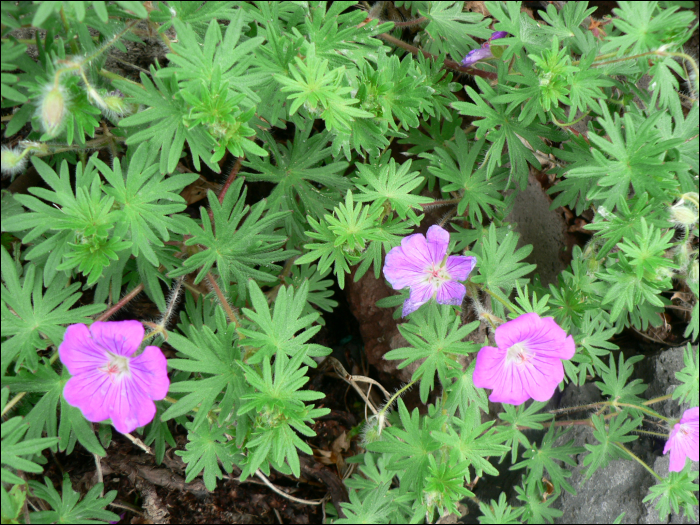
{"x":260,"y":158}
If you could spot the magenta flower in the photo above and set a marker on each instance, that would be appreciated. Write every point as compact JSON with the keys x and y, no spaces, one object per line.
{"x":422,"y":265}
{"x":527,"y":362}
{"x":107,"y":382}
{"x":483,"y":52}
{"x":683,"y":441}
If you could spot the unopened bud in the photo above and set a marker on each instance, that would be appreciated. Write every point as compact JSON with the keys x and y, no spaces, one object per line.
{"x":96,"y":98}
{"x":683,"y":216}
{"x":12,"y":161}
{"x":52,"y":111}
{"x":114,"y":106}
{"x":693,"y":273}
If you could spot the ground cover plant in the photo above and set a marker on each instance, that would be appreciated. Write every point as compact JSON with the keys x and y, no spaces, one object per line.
{"x":258,"y":159}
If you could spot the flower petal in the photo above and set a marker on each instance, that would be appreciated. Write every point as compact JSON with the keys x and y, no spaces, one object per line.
{"x":477,"y":54}
{"x":402,"y":271}
{"x":79,"y":352}
{"x":119,"y":337}
{"x":87,"y":392}
{"x":438,"y":239}
{"x":451,"y":292}
{"x":459,"y":267}
{"x":150,"y":371}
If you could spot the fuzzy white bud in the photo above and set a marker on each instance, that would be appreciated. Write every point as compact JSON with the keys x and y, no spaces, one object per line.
{"x":52,"y":109}
{"x":12,"y":161}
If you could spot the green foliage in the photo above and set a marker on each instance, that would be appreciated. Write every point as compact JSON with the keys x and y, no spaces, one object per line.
{"x":437,"y":339}
{"x":239,"y":240}
{"x":207,"y":448}
{"x":301,"y":112}
{"x":68,"y":506}
{"x":280,"y":412}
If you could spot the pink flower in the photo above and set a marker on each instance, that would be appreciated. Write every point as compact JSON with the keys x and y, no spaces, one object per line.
{"x":422,"y":265}
{"x":527,"y":362}
{"x":107,"y":382}
{"x":483,"y":52}
{"x":683,"y":441}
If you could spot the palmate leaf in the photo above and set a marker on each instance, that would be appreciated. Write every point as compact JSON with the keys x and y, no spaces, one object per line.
{"x":448,"y":25}
{"x":338,"y":33}
{"x":33,"y":320}
{"x":212,"y":356}
{"x":162,"y":124}
{"x":320,"y":90}
{"x":394,"y":90}
{"x":547,"y":457}
{"x":83,"y":219}
{"x":500,"y":129}
{"x":410,"y":446}
{"x":297,"y":170}
{"x":636,"y":159}
{"x":615,"y":386}
{"x":281,"y":412}
{"x":471,"y":441}
{"x":477,"y":192}
{"x":384,"y":183}
{"x":674,"y":492}
{"x":500,"y":265}
{"x":689,"y":377}
{"x":207,"y":448}
{"x":610,"y":432}
{"x":14,"y":446}
{"x":614,"y":226}
{"x":141,"y":201}
{"x":435,"y":335}
{"x":343,"y":237}
{"x":241,"y":239}
{"x":284,"y":330}
{"x":68,"y":508}
{"x":227,"y":54}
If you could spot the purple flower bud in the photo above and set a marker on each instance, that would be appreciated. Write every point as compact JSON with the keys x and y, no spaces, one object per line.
{"x":422,"y":264}
{"x":482,"y":52}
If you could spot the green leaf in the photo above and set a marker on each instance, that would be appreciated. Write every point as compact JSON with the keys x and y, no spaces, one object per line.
{"x":298,"y":170}
{"x":241,"y":240}
{"x":436,"y":337}
{"x":410,"y":446}
{"x":283,"y":331}
{"x":67,"y":508}
{"x":689,"y":377}
{"x":448,"y":25}
{"x":610,"y":436}
{"x":546,"y":457}
{"x":477,"y":192}
{"x":636,"y":159}
{"x":280,"y":412}
{"x":500,"y":265}
{"x":207,"y":447}
{"x":14,"y":446}
{"x":162,"y":124}
{"x":343,"y":237}
{"x":674,"y":492}
{"x":32,"y":320}
{"x":144,"y":200}
{"x":213,"y":355}
{"x":384,"y":184}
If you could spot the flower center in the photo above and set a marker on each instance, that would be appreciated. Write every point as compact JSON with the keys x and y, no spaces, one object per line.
{"x":519,"y":355}
{"x":437,"y":274}
{"x":117,"y":367}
